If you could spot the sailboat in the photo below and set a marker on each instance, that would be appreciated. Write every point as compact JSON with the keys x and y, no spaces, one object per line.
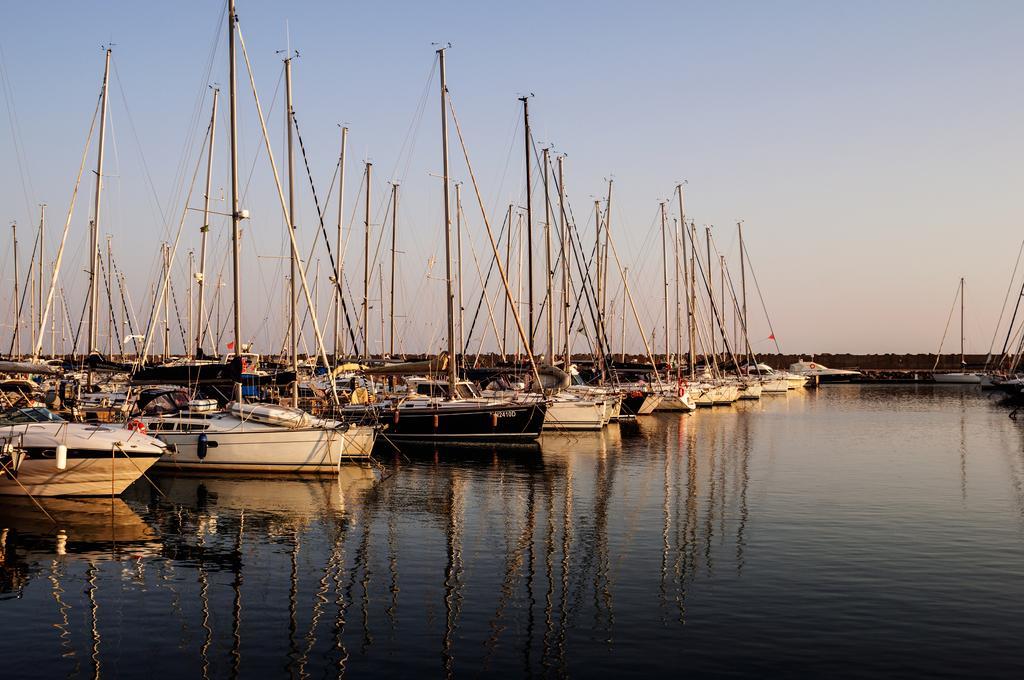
{"x":452,"y":411}
{"x":246,"y":436}
{"x":957,"y":378}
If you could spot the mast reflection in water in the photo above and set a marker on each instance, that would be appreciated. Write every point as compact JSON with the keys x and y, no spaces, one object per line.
{"x":851,"y":529}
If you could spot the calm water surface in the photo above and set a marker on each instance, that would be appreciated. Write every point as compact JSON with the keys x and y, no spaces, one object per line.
{"x":844,"y":531}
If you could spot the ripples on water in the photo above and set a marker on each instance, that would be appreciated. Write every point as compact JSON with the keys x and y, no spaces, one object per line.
{"x":849,"y":530}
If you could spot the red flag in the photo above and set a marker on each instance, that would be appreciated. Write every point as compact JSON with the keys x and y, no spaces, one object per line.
{"x":231,"y":345}
{"x":772,"y":336}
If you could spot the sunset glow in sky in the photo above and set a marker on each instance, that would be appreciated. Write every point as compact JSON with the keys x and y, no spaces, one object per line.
{"x":873,"y":149}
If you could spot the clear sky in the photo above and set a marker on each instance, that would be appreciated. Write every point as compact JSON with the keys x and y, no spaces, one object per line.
{"x":873,"y":149}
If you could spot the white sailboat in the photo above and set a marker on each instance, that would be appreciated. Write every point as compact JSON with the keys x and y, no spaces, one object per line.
{"x":961,"y":377}
{"x":255,"y":437}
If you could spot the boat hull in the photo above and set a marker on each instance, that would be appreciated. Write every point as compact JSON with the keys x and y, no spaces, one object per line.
{"x":311,"y":450}
{"x":574,"y":415}
{"x":640,"y":403}
{"x":957,"y":378}
{"x":775,"y":386}
{"x":88,"y":473}
{"x":750,"y":391}
{"x":474,"y":424}
{"x":675,"y":402}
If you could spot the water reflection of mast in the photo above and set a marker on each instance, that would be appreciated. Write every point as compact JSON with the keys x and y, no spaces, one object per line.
{"x":665,"y":510}
{"x":963,"y":452}
{"x":362,"y":563}
{"x":567,"y":536}
{"x":204,"y":598}
{"x":293,"y":600}
{"x":93,"y":618}
{"x":236,"y":607}
{"x":452,"y":573}
{"x":605,"y":481}
{"x":340,"y":600}
{"x":549,"y":553}
{"x":709,"y":514}
{"x":741,"y":541}
{"x":63,"y":608}
{"x":392,"y":565}
{"x":531,"y":521}
{"x":513,"y":565}
{"x":687,"y":556}
{"x":333,"y":566}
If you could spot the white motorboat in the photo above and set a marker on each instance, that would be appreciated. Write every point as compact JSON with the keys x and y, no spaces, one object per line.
{"x":814,"y":371}
{"x":779,"y":379}
{"x":957,"y":378}
{"x":43,"y":455}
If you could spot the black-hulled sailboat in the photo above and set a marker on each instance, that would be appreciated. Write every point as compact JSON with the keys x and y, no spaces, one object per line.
{"x":433,"y":412}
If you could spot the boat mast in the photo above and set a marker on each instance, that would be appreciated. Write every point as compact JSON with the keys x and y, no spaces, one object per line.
{"x":963,"y":362}
{"x":711,"y":290}
{"x":338,"y":287}
{"x":724,"y":318}
{"x":110,"y":298}
{"x":205,"y":230}
{"x":529,"y":224}
{"x":519,"y":279}
{"x":743,"y":281}
{"x":508,"y":298}
{"x":191,"y":283}
{"x":566,"y":356}
{"x":686,"y":274}
{"x":692,"y":301}
{"x":293,"y":335}
{"x":235,"y":214}
{"x":449,"y":298}
{"x":94,"y":258}
{"x":366,"y":267}
{"x":380,"y":296}
{"x":622,"y":327}
{"x":166,"y":248}
{"x":458,"y":246}
{"x":547,"y":258}
{"x":16,"y":342}
{"x":603,"y":302}
{"x":38,"y":322}
{"x":675,"y":251}
{"x":599,"y":326}
{"x":664,"y":279}
{"x":597,"y":261}
{"x":394,"y":233}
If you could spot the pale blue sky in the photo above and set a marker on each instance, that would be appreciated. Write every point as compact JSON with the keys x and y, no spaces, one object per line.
{"x":872,"y":148}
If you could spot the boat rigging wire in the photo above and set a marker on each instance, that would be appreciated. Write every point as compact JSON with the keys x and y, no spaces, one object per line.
{"x":323,"y":227}
{"x":757,"y":287}
{"x":1002,"y":311}
{"x":67,"y":225}
{"x":21,"y":158}
{"x":938,"y":354}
